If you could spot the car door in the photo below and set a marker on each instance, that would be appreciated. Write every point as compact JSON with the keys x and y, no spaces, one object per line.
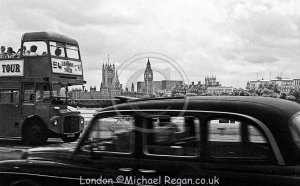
{"x":109,"y":147}
{"x":225,"y":149}
{"x":171,"y":149}
{"x":241,"y":150}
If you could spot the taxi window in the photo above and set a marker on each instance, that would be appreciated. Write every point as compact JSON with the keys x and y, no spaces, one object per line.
{"x":224,"y":130}
{"x":111,"y":134}
{"x":230,"y":138}
{"x":172,"y":136}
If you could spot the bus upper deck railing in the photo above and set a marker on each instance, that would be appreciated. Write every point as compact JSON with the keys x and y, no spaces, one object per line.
{"x":9,"y":56}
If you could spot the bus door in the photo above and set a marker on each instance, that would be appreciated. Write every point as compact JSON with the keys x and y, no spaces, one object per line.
{"x":9,"y":112}
{"x":28,"y":100}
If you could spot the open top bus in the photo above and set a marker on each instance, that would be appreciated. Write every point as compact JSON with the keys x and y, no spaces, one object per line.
{"x":34,"y":89}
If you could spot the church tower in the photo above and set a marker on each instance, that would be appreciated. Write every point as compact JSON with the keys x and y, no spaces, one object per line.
{"x":110,"y":85}
{"x":148,"y":77}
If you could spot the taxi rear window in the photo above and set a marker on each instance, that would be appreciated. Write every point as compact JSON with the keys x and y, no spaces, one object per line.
{"x":295,"y":129}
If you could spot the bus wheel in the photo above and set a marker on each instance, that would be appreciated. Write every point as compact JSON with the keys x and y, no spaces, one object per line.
{"x":70,"y":139}
{"x":34,"y":134}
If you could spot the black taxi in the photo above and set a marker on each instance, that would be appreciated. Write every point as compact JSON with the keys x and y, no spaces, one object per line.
{"x":174,"y":141}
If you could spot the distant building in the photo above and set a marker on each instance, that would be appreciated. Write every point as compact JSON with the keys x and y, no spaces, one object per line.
{"x":211,"y":82}
{"x":148,"y":79}
{"x":132,"y":87}
{"x":284,"y":85}
{"x":220,"y":90}
{"x":169,"y":84}
{"x":255,"y":84}
{"x":110,"y":86}
{"x":297,"y":84}
{"x":149,"y":88}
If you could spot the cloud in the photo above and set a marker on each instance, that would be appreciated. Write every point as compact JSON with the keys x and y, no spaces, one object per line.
{"x":231,"y":39}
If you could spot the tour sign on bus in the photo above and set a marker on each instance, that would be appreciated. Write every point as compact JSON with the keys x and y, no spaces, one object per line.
{"x":12,"y":68}
{"x":34,"y":84}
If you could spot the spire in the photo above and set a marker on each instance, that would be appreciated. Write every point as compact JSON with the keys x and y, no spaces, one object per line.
{"x":148,"y":63}
{"x":132,"y":87}
{"x":117,"y":77}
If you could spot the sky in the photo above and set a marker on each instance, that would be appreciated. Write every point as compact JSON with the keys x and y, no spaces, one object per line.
{"x":234,"y":40}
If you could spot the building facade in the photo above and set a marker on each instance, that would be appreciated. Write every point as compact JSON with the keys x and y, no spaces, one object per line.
{"x":284,"y":85}
{"x":110,"y":85}
{"x":297,"y":84}
{"x":211,"y":82}
{"x":221,"y":90}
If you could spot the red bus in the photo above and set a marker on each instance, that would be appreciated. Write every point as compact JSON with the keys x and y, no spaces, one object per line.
{"x":34,"y":89}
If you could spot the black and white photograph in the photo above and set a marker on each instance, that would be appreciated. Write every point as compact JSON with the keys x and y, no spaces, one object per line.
{"x":150,"y":92}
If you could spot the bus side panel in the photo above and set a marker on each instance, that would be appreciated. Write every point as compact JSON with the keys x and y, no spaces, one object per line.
{"x":10,"y":116}
{"x":37,"y":67}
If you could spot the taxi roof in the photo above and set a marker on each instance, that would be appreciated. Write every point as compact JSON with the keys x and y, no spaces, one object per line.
{"x":249,"y":105}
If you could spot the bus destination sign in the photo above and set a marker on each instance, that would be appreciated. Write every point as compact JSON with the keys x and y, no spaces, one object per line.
{"x":66,"y":67}
{"x":12,"y":68}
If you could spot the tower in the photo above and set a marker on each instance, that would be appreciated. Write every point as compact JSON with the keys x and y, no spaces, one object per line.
{"x":110,"y":86}
{"x":148,"y":77}
{"x":132,"y":87}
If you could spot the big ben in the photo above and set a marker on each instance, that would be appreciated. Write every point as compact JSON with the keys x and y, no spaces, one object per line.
{"x":148,"y":77}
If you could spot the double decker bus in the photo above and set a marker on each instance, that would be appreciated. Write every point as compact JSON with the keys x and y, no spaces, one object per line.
{"x":34,"y":89}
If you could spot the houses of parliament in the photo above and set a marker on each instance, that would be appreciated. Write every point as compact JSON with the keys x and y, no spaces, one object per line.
{"x":111,"y":87}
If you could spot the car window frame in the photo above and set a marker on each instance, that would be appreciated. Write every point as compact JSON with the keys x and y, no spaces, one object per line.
{"x":173,"y":113}
{"x":202,"y":115}
{"x":277,"y":158}
{"x":105,"y":114}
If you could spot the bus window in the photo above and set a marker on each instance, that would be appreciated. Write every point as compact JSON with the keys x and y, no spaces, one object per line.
{"x":57,"y":49}
{"x":42,"y":93}
{"x":28,"y":93}
{"x":59,"y":94}
{"x":9,"y":96}
{"x":35,"y":48}
{"x":72,"y":51}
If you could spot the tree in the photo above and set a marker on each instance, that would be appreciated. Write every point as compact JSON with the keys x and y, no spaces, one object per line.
{"x":276,"y":89}
{"x":283,"y":96}
{"x":296,"y":94}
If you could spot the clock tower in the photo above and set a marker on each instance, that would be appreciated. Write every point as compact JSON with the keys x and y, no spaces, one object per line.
{"x":148,"y":77}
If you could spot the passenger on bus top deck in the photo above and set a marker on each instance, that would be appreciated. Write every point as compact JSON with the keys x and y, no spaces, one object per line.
{"x":2,"y":49}
{"x":27,"y":53}
{"x":3,"y":54}
{"x":23,"y":50}
{"x":33,"y":49}
{"x":10,"y":52}
{"x":58,"y":52}
{"x":20,"y":51}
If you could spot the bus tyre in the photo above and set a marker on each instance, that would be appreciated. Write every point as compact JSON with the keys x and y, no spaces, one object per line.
{"x":70,"y":139}
{"x":34,"y":134}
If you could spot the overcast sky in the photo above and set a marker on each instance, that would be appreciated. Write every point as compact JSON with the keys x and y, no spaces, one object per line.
{"x":235,"y":41}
